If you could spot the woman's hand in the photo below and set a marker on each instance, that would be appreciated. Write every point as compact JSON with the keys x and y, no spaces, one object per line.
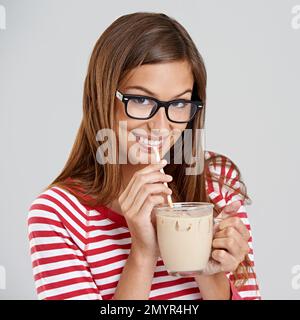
{"x":137,"y":201}
{"x":230,"y":241}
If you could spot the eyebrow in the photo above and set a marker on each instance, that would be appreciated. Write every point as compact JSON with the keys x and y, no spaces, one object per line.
{"x":153,"y":94}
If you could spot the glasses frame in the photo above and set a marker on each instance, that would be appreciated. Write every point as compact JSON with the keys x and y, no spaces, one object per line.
{"x":159,"y":104}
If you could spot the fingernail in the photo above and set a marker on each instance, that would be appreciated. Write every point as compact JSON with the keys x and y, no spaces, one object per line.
{"x":163,"y":161}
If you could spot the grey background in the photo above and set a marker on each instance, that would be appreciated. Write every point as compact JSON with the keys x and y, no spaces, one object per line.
{"x":252,"y":57}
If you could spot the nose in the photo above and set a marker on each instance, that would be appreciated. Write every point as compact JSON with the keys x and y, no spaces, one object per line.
{"x":160,"y":120}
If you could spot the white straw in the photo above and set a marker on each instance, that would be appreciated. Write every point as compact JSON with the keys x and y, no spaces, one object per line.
{"x":170,"y":202}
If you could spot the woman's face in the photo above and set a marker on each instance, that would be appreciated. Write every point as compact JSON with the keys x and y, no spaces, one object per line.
{"x":165,"y":82}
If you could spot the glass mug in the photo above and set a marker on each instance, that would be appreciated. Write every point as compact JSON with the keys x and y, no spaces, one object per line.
{"x":184,"y":235}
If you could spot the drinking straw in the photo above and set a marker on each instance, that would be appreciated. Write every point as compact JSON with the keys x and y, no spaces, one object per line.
{"x":157,"y":156}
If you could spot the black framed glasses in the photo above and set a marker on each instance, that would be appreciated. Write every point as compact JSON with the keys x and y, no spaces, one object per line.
{"x":144,"y":107}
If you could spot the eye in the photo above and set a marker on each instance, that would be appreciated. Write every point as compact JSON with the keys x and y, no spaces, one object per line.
{"x":179,"y":104}
{"x":143,"y":101}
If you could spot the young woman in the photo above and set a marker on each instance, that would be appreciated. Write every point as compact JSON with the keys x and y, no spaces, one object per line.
{"x":92,"y":233}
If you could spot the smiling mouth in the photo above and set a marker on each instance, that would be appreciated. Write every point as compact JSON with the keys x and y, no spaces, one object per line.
{"x":148,"y":143}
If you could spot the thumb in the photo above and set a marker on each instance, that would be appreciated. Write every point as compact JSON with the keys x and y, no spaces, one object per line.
{"x":229,"y":209}
{"x":233,"y":207}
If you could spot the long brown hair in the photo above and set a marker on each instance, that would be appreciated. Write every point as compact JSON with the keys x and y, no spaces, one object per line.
{"x":130,"y":41}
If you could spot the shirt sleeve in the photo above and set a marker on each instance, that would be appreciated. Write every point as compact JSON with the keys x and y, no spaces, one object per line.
{"x":250,"y":289}
{"x":223,"y":190}
{"x":234,"y":292}
{"x":60,"y":269}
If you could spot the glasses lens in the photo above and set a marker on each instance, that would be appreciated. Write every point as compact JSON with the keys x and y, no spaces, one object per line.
{"x":141,"y":107}
{"x":182,"y":111}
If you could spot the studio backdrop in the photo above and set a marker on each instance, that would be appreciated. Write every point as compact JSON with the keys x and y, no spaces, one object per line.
{"x":251,"y":51}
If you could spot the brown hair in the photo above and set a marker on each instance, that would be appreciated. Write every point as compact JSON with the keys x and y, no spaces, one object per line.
{"x":130,"y":41}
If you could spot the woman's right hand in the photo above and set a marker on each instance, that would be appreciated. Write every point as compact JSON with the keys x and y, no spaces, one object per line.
{"x":143,"y":192}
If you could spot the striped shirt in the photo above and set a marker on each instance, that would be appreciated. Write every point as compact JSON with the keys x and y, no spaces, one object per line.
{"x":79,"y":252}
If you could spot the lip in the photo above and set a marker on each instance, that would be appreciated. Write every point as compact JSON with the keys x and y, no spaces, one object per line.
{"x":149,"y":148}
{"x":159,"y":138}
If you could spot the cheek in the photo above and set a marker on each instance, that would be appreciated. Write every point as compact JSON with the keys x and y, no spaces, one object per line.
{"x":124,"y":126}
{"x":177,"y":131}
{"x":127,"y":124}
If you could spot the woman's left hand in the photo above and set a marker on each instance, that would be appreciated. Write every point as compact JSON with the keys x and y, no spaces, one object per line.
{"x":230,"y":241}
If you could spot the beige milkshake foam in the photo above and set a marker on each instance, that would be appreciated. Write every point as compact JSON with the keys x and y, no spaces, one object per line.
{"x":184,"y":234}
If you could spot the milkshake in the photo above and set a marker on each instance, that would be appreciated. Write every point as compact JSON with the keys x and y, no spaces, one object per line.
{"x":184,"y":234}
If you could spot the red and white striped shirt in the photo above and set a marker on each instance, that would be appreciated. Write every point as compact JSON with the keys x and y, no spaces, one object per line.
{"x":78,"y":252}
